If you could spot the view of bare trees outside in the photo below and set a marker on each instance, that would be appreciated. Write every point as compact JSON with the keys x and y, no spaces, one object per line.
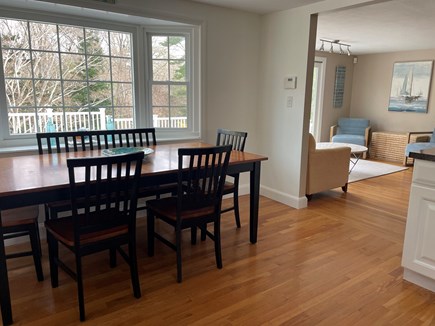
{"x":170,"y":79}
{"x":65,"y":70}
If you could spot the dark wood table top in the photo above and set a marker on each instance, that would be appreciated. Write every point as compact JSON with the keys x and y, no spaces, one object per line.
{"x":23,"y":174}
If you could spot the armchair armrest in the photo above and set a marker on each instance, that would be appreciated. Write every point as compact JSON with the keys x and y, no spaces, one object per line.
{"x":332,"y":131}
{"x":367,"y":132}
{"x":410,"y":133}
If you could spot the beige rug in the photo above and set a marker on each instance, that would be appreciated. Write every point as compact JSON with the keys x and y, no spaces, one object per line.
{"x":365,"y":169}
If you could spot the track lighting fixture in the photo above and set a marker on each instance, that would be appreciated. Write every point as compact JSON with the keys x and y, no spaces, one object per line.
{"x":331,"y":48}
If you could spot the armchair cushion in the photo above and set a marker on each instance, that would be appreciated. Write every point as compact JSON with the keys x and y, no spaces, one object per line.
{"x":327,"y":168}
{"x":350,"y":139}
{"x":351,"y":131}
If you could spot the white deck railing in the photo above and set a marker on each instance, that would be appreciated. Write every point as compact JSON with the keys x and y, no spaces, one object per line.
{"x":24,"y":123}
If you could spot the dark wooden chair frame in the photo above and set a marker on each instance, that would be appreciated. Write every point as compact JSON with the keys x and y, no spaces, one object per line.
{"x":74,"y":141}
{"x":101,"y":205}
{"x":30,"y":229}
{"x":237,"y":139}
{"x":198,"y":200}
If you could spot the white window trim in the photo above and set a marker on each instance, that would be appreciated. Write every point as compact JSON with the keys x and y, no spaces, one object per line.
{"x":193,"y":64}
{"x":142,"y":116}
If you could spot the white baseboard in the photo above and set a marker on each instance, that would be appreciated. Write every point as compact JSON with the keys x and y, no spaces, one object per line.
{"x":286,"y":199}
{"x":420,"y":280}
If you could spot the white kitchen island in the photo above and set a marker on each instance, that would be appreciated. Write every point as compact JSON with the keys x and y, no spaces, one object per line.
{"x":418,"y":257}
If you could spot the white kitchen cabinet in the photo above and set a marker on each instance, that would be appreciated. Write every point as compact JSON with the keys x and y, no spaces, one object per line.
{"x":418,"y":257}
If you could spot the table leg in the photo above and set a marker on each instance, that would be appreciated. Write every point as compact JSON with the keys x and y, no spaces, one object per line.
{"x":355,"y":160}
{"x":5,"y":297}
{"x":254,"y":201}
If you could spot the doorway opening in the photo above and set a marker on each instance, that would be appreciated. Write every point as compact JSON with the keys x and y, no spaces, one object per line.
{"x":317,"y":97}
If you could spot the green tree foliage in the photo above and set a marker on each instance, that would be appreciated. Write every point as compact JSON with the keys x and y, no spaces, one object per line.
{"x":91,"y":71}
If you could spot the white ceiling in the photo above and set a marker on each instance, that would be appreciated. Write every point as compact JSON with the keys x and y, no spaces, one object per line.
{"x":259,"y":6}
{"x":398,"y":25}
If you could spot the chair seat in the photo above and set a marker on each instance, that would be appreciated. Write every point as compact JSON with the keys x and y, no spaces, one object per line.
{"x":20,"y":216}
{"x":417,"y":147}
{"x":349,"y":139}
{"x":63,"y":230}
{"x":168,"y":207}
{"x":228,"y":187}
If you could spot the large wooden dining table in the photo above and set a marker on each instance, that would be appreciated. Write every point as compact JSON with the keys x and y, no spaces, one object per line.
{"x":39,"y":179}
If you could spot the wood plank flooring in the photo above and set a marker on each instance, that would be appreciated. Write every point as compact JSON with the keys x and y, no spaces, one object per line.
{"x":337,"y":262}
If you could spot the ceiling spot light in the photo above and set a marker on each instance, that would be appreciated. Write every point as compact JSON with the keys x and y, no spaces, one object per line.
{"x":331,"y":48}
{"x":322,"y":47}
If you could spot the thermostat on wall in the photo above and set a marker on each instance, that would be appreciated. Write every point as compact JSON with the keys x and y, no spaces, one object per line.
{"x":290,"y":82}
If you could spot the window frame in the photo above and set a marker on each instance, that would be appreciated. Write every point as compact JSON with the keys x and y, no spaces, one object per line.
{"x":59,"y":53}
{"x":140,"y":70}
{"x":193,"y":64}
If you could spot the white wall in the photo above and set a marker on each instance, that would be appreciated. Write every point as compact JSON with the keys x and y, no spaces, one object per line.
{"x":283,"y":132}
{"x":284,"y":41}
{"x":371,"y":92}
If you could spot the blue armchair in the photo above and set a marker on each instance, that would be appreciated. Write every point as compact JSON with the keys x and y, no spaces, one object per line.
{"x":418,"y":146}
{"x":351,"y":131}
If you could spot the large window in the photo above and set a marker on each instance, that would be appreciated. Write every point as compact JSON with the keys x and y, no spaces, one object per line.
{"x":170,"y":80}
{"x":70,"y":73}
{"x":62,"y":77}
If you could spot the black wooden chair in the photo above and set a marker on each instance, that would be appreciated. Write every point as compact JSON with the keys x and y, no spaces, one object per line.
{"x":198,"y":200}
{"x":21,"y":222}
{"x":103,"y":202}
{"x":73,"y":141}
{"x":237,"y":139}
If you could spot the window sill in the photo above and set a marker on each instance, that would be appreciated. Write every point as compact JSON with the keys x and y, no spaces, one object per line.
{"x":18,"y":150}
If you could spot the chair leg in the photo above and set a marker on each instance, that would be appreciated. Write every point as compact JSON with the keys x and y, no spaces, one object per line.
{"x":49,"y":214}
{"x":112,"y":256}
{"x":193,"y":233}
{"x":344,"y":188}
{"x":178,"y":246}
{"x":204,"y":232}
{"x":80,"y":293}
{"x":53,"y":254}
{"x":36,"y":251}
{"x":133,"y":268}
{"x":217,"y":243}
{"x":236,"y":207}
{"x":150,"y":231}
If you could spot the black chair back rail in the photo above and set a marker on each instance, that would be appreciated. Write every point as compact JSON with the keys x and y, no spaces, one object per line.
{"x":201,"y":178}
{"x":105,"y":192}
{"x":229,"y":137}
{"x":237,"y":139}
{"x":103,"y":216}
{"x":73,"y":141}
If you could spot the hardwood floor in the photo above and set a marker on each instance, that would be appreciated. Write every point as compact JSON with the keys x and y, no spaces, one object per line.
{"x":337,"y":262}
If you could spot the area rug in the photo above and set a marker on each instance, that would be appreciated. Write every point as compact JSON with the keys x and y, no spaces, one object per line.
{"x":369,"y":169}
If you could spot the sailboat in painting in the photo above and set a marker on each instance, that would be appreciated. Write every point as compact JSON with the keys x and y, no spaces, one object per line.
{"x":406,"y":90}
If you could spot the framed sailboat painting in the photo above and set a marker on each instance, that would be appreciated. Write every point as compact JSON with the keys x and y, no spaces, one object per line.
{"x":410,"y":86}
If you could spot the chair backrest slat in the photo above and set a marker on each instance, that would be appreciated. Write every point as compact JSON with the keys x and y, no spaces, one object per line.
{"x":99,"y":203}
{"x":201,"y":177}
{"x":56,"y":142}
{"x":229,"y":137}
